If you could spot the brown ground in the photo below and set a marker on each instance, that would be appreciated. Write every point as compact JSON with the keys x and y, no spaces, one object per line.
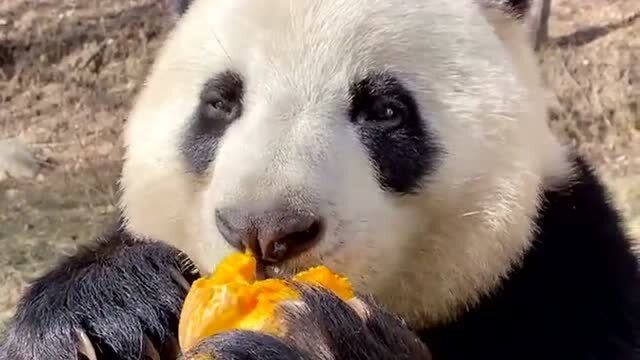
{"x":68,"y":71}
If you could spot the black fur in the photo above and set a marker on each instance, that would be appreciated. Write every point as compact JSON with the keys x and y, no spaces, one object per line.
{"x":517,"y":8}
{"x":245,"y":345}
{"x":401,"y":146}
{"x":116,"y":290}
{"x":220,"y":105}
{"x":520,"y":7}
{"x":575,"y":296}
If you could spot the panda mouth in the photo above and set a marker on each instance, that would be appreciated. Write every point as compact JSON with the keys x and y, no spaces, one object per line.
{"x":269,"y":271}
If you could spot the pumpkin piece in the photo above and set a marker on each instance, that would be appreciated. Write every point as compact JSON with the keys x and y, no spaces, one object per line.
{"x":322,"y":276}
{"x":268,"y":294}
{"x":212,"y":309}
{"x":231,"y":298}
{"x":235,"y":267}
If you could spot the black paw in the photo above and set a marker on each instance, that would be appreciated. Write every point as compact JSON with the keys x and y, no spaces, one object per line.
{"x":321,"y":326}
{"x":119,"y":299}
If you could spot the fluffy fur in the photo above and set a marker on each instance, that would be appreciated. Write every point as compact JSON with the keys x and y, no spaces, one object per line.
{"x":414,"y":131}
{"x":472,"y":217}
{"x":574,"y":294}
{"x":99,"y":298}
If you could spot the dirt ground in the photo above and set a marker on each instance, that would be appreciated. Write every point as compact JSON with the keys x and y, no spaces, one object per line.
{"x":68,"y":70}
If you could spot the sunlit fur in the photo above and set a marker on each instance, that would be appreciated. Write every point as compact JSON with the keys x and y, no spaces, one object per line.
{"x":426,"y":256}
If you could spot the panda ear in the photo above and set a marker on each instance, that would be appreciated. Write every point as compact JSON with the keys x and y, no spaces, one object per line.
{"x":514,"y":8}
{"x":178,"y":7}
{"x":519,"y":8}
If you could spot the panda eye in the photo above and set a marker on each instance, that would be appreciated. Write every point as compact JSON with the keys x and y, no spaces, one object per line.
{"x":220,"y":101}
{"x":218,"y":109}
{"x":387,"y":113}
{"x":216,"y":106}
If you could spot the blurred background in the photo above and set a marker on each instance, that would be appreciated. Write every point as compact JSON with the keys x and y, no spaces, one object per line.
{"x":69,"y":70}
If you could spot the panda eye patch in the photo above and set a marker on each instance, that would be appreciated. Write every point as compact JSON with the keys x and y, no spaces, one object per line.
{"x":397,"y":138}
{"x":220,"y":104}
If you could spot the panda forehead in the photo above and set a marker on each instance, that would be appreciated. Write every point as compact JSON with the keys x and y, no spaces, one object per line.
{"x":322,"y":53}
{"x":313,"y":51}
{"x":316,"y":42}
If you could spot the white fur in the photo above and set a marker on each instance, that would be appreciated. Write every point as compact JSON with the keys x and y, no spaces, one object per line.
{"x":474,"y":79}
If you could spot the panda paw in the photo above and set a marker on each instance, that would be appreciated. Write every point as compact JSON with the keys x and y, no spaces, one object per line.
{"x":321,"y":326}
{"x":97,"y":305}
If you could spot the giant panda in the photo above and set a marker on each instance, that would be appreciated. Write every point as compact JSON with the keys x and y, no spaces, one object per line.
{"x":402,"y":143}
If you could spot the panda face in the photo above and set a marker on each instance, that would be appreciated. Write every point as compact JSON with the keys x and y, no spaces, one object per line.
{"x":392,"y":141}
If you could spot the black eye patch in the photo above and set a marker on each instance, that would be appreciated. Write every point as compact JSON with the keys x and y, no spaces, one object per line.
{"x":393,"y":131}
{"x":219,"y":106}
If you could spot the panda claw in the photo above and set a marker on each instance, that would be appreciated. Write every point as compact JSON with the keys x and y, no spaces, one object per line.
{"x":150,"y":350}
{"x":172,"y":345}
{"x":85,"y":347}
{"x":180,"y":279}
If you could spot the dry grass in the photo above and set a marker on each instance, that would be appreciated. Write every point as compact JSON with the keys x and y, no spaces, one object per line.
{"x":592,"y":67}
{"x":68,"y":71}
{"x":594,"y":70}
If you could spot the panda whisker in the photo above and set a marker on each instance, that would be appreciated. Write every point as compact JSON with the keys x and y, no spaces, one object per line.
{"x":471,"y":213}
{"x":223,"y":48}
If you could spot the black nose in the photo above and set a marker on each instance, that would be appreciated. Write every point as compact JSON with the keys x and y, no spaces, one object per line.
{"x":272,"y":236}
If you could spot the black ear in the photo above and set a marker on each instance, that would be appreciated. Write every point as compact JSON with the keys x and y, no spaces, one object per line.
{"x":178,"y":7}
{"x":515,"y":8}
{"x":519,"y":8}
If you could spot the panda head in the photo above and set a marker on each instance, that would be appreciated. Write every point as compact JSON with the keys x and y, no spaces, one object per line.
{"x":402,"y":143}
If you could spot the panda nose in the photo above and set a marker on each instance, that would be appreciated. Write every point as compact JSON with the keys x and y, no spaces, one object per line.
{"x":272,"y":236}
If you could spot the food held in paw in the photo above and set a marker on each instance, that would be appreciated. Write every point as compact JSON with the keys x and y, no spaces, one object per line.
{"x":322,"y":276}
{"x":231,"y":298}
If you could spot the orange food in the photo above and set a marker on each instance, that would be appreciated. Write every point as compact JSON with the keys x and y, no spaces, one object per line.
{"x":231,"y":298}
